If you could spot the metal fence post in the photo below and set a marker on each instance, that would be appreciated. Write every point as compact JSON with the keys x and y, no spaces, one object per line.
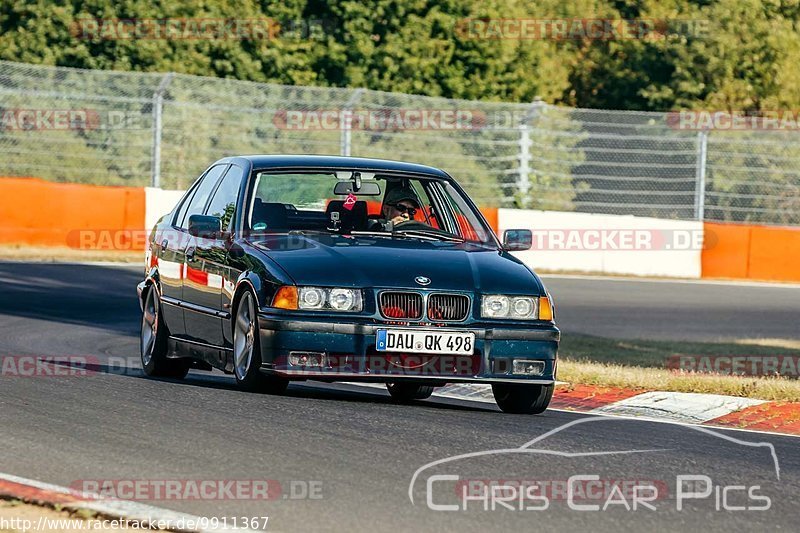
{"x":523,"y":180}
{"x":158,"y":105}
{"x":346,"y":121}
{"x":700,"y":175}
{"x":523,"y":172}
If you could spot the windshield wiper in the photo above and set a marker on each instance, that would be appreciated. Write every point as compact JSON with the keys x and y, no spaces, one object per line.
{"x":407,"y":234}
{"x":429,"y":235}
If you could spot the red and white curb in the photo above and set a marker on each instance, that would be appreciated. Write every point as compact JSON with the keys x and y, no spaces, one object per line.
{"x":713,"y":410}
{"x":684,"y":407}
{"x":39,"y":493}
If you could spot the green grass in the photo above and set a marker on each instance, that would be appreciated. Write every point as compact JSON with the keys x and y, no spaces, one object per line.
{"x":642,"y":364}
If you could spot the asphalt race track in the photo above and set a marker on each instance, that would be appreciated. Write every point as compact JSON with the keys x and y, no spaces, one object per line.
{"x":676,"y":310}
{"x":359,"y":452}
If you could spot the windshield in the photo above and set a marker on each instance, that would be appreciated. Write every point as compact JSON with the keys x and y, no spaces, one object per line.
{"x":356,"y":203}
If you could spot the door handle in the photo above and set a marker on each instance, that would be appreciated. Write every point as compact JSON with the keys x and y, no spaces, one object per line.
{"x":164,"y":244}
{"x":190,"y":252}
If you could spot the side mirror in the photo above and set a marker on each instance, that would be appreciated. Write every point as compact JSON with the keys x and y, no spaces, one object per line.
{"x":204,"y":226}
{"x":517,"y":240}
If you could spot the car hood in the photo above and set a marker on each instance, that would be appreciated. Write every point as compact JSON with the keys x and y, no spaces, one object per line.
{"x":332,"y":260}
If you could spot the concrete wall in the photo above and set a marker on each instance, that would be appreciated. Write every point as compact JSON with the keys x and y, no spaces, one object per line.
{"x":159,"y":202}
{"x":610,"y":244}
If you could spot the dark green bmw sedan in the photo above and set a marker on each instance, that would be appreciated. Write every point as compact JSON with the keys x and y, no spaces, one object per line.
{"x":280,"y":268}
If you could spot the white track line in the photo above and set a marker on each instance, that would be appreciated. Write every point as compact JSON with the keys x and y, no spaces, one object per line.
{"x":598,"y":412}
{"x":132,"y":511}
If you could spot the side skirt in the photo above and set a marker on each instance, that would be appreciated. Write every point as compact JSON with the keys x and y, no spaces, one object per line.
{"x":204,"y":356}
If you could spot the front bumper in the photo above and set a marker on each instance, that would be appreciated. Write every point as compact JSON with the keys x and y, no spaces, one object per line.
{"x":348,"y":352}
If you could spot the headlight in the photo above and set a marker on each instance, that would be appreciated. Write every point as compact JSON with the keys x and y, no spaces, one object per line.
{"x":523,"y":308}
{"x":512,"y":307}
{"x":311,"y":298}
{"x":496,"y":306}
{"x":320,"y":298}
{"x":344,"y":300}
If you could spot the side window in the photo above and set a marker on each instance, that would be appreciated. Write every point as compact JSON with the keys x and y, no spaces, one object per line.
{"x":202,"y":192}
{"x":184,"y":206}
{"x":427,"y":216}
{"x":468,"y":224}
{"x":223,"y":203}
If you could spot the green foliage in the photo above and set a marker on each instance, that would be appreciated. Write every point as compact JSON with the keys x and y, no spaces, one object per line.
{"x":743,"y":55}
{"x":717,"y":55}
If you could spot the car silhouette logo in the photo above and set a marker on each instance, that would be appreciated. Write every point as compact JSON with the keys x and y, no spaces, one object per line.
{"x":422,"y":280}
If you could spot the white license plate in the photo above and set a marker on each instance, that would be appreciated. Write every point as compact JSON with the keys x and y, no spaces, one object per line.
{"x":425,"y":341}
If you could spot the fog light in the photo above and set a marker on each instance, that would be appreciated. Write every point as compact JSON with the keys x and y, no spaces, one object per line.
{"x":528,"y":368}
{"x":307,"y":359}
{"x":501,"y":366}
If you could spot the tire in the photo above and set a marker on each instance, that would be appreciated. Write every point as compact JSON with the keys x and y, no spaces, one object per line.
{"x":247,"y":350}
{"x":153,"y":342}
{"x":522,"y":399}
{"x":408,"y":392}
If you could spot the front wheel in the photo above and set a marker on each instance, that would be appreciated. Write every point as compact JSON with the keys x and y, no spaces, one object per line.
{"x":153,"y":343}
{"x":521,"y":398}
{"x":247,"y":351}
{"x":408,"y":392}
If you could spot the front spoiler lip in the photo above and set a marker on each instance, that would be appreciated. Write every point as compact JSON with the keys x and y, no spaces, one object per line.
{"x":546,"y":332}
{"x":387,"y":378}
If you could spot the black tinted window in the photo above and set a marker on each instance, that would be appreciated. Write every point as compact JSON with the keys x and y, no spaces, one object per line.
{"x":223,"y":203}
{"x":202,"y":192}
{"x":187,"y":199}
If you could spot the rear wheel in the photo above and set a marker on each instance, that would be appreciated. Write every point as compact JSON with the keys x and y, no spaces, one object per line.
{"x":521,"y":398}
{"x":247,"y":350}
{"x":408,"y":392}
{"x":153,"y":342}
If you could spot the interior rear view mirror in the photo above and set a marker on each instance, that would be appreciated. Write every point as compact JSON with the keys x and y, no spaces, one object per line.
{"x":368,"y":188}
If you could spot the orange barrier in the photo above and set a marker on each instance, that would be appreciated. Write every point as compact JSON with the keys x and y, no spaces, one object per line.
{"x":775,"y":253}
{"x":725,"y":251}
{"x":43,"y":213}
{"x":745,"y":251}
{"x":490,"y":213}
